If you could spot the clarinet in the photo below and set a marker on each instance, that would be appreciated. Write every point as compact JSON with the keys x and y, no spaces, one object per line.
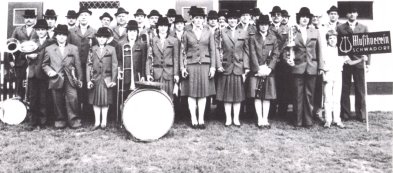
{"x":261,"y":86}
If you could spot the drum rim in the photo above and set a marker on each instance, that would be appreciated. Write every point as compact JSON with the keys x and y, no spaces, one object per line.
{"x":149,"y":89}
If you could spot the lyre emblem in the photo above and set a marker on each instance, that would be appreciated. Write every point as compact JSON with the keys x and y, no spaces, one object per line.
{"x":346,"y":42}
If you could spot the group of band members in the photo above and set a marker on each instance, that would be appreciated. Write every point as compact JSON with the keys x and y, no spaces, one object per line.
{"x":233,"y":55}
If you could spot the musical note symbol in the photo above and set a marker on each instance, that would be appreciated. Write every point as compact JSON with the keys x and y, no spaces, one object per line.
{"x":344,"y":48}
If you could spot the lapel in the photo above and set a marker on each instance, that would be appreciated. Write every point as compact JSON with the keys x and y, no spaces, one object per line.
{"x":300,"y":37}
{"x":79,"y":31}
{"x":357,"y":28}
{"x":205,"y":33}
{"x":348,"y":28}
{"x":259,"y":40}
{"x":229,"y":34}
{"x":158,"y":44}
{"x":24,"y":31}
{"x":309,"y":34}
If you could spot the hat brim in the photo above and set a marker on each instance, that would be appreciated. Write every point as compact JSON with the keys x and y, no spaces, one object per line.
{"x":40,"y":26}
{"x":29,"y":16}
{"x":102,"y":35}
{"x":305,"y":14}
{"x":138,"y":14}
{"x":110,"y":17}
{"x":126,"y":12}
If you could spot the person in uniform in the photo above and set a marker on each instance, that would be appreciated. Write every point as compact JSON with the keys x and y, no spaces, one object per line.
{"x":120,"y":31}
{"x":163,"y":66}
{"x":17,"y":60}
{"x":101,"y":75}
{"x":232,"y":69}
{"x":38,"y":80}
{"x":285,"y":17}
{"x":307,"y":63}
{"x":222,"y":21}
{"x":63,"y":66}
{"x":354,"y":69}
{"x":198,"y":66}
{"x":171,"y":15}
{"x":333,"y":18}
{"x":51,"y":18}
{"x":140,"y":19}
{"x":264,"y":52}
{"x":71,"y":18}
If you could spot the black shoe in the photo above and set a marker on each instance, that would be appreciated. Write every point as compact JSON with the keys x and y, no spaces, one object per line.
{"x":95,"y":128}
{"x":260,"y":126}
{"x":202,"y":126}
{"x":194,"y":126}
{"x":228,"y":125}
{"x":267,"y":126}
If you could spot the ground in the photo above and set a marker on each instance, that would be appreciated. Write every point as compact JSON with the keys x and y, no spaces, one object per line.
{"x":215,"y":149}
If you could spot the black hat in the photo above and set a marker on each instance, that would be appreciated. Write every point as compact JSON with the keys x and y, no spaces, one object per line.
{"x":192,"y":9}
{"x":121,"y":10}
{"x":179,"y":18}
{"x":352,"y":9}
{"x":106,"y":15}
{"x":233,"y":14}
{"x":276,"y":9}
{"x":212,"y":15}
{"x":284,"y":13}
{"x":304,"y":11}
{"x":84,"y":9}
{"x":61,"y":29}
{"x":222,"y":13}
{"x":162,"y":21}
{"x":41,"y":23}
{"x":154,"y":13}
{"x":332,"y":8}
{"x":72,"y":14}
{"x":103,"y":32}
{"x":198,"y":12}
{"x":256,"y":12}
{"x":171,"y":13}
{"x":246,"y":11}
{"x":263,"y":20}
{"x":29,"y":14}
{"x":139,"y":12}
{"x":50,"y":13}
{"x":132,"y":25}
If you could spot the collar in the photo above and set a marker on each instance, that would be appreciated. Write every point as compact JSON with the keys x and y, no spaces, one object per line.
{"x":354,"y":23}
{"x":62,"y":45}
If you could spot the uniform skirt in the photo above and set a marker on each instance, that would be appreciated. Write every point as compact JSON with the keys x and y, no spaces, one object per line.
{"x":100,"y":95}
{"x":198,"y":84}
{"x":270,"y":87}
{"x":230,"y":88}
{"x":167,"y":86}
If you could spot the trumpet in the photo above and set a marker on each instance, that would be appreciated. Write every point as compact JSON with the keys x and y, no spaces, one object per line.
{"x":290,"y":45}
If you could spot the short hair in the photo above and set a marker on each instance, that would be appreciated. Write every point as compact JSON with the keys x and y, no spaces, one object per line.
{"x":299,"y":16}
{"x":331,"y":33}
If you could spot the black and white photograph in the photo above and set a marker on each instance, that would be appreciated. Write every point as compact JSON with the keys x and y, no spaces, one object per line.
{"x":197,"y":86}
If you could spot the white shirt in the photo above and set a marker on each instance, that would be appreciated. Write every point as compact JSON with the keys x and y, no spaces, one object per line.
{"x":179,"y":34}
{"x":352,"y":25}
{"x":303,"y":31}
{"x":28,"y":30}
{"x":51,"y":32}
{"x":122,"y":29}
{"x":61,"y":48}
{"x":276,"y":25}
{"x":83,"y":29}
{"x":263,"y":35}
{"x":198,"y":32}
{"x":42,"y":40}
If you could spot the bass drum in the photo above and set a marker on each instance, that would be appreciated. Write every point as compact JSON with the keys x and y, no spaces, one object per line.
{"x":12,"y":111}
{"x":148,"y":114}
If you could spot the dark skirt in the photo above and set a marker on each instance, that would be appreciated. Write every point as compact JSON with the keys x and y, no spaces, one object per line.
{"x":230,"y":88}
{"x":100,"y":95}
{"x":270,"y":87}
{"x":198,"y":84}
{"x":167,"y":86}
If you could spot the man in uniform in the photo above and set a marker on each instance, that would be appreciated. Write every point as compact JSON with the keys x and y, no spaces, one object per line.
{"x":119,"y":31}
{"x":51,"y":18}
{"x":71,"y":18}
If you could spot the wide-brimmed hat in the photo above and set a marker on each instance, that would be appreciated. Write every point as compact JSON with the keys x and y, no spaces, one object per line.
{"x":256,"y":12}
{"x":332,"y":8}
{"x":72,"y":14}
{"x":154,"y":13}
{"x":222,"y":13}
{"x":263,"y":20}
{"x":139,"y":12}
{"x":132,"y":25}
{"x":304,"y":11}
{"x":192,"y":9}
{"x":233,"y":14}
{"x":106,"y":15}
{"x":179,"y":18}
{"x":171,"y":13}
{"x":29,"y":14}
{"x":50,"y":13}
{"x":284,"y":13}
{"x":352,"y":9}
{"x":198,"y":12}
{"x":103,"y":32}
{"x":212,"y":14}
{"x":162,"y":21}
{"x":41,"y":23}
{"x":276,"y":9}
{"x":84,"y":9}
{"x":61,"y":29}
{"x":121,"y":10}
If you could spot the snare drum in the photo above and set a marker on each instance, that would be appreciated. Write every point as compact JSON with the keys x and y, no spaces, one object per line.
{"x":148,"y":114}
{"x":12,"y":111}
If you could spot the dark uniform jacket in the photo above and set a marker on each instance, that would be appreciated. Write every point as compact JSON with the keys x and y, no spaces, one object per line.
{"x":235,"y":60}
{"x":308,"y":54}
{"x":20,"y":33}
{"x":139,"y":54}
{"x":35,"y":65}
{"x":62,"y":64}
{"x":102,"y":65}
{"x":82,"y":41}
{"x":359,"y":28}
{"x":165,"y":58}
{"x":198,"y":51}
{"x":119,"y":37}
{"x":281,"y":34}
{"x":263,"y":50}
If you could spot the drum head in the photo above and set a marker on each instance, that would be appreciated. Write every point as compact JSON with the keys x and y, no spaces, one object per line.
{"x":148,"y":114}
{"x":12,"y":112}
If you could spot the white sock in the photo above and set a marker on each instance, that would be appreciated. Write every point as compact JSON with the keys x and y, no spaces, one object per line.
{"x":201,"y":110}
{"x":236,"y":113}
{"x":104,"y":116}
{"x":97,"y":112}
{"x":258,"y":109}
{"x":192,"y":108}
{"x":228,"y":108}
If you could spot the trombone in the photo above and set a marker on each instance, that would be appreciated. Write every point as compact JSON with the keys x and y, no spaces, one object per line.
{"x":127,"y":53}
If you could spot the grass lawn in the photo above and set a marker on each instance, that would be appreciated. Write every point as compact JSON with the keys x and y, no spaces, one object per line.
{"x":215,"y":149}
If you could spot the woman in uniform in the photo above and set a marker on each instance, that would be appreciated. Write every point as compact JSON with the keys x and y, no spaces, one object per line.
{"x":198,"y":65}
{"x":101,"y":74}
